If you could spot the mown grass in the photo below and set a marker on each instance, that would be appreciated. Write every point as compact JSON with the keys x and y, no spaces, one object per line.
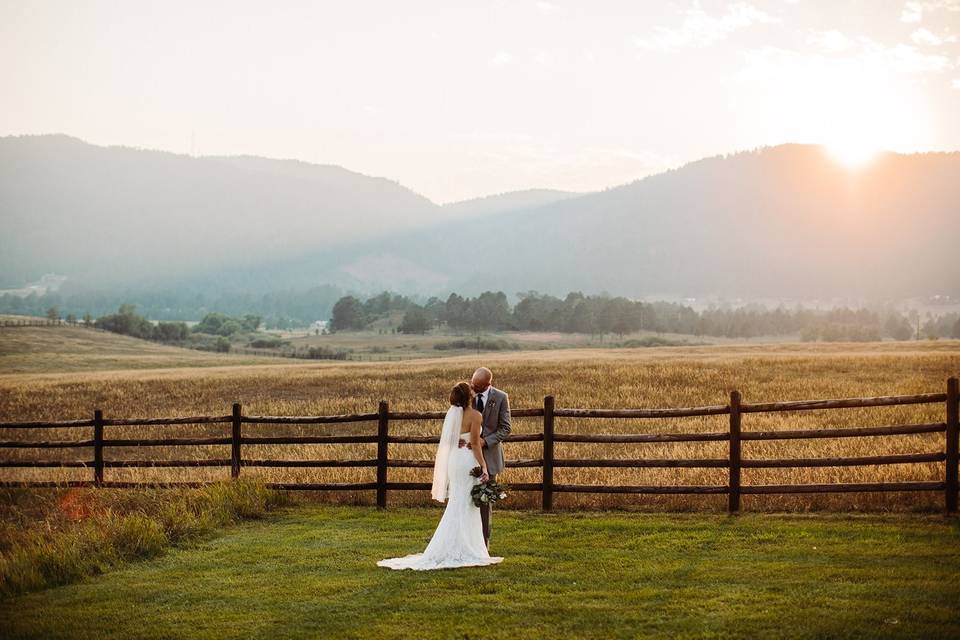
{"x":311,"y":572}
{"x":54,"y":537}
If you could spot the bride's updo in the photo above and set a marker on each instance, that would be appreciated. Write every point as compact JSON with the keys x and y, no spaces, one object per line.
{"x":461,"y":395}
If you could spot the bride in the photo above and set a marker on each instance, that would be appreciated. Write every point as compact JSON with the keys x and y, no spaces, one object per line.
{"x":458,"y":539}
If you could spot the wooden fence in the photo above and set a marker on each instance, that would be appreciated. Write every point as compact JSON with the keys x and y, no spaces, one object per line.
{"x":734,"y":462}
{"x":303,"y":354}
{"x":44,"y":322}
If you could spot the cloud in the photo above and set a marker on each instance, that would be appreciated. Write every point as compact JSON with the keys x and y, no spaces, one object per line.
{"x":546,"y":7}
{"x":502,"y":58}
{"x":870,"y":54}
{"x":955,"y":83}
{"x":903,"y":57}
{"x":927,"y":37}
{"x":831,"y":40}
{"x":913,"y":11}
{"x":700,"y":29}
{"x":924,"y":36}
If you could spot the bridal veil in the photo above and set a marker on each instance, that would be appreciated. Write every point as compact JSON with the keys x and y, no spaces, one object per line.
{"x":449,"y":437}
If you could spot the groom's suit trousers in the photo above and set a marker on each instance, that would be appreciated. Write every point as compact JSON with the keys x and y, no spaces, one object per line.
{"x":485,"y":516}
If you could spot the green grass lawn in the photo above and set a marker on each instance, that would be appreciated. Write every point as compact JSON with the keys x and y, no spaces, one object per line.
{"x":310,"y":572}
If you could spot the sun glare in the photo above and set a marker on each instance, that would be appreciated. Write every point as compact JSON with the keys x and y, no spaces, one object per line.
{"x":852,"y":155}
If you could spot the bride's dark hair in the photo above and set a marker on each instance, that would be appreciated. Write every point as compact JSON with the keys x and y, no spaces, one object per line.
{"x":461,"y":395}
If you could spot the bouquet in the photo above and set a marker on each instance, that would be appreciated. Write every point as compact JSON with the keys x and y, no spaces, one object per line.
{"x":486,"y":492}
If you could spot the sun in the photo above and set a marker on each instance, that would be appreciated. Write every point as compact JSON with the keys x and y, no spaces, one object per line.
{"x":853,"y":154}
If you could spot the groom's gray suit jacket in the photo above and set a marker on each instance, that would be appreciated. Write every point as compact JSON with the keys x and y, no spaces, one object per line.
{"x":495,"y":428}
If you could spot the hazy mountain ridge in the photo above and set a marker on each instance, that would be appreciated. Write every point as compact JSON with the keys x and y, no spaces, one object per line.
{"x":510,"y":201}
{"x":781,"y":221}
{"x":785,"y":221}
{"x":158,"y":212}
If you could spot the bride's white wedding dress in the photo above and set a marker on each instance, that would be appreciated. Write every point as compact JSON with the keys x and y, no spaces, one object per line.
{"x":458,"y":539}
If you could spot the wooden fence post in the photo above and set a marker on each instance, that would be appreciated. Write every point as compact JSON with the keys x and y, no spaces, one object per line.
{"x":953,"y":435}
{"x":235,"y":442}
{"x":548,"y":404}
{"x":383,"y":427}
{"x":97,"y":447}
{"x":733,"y":504}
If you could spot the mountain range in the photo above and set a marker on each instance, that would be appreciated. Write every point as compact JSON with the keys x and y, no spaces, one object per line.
{"x":783,"y":221}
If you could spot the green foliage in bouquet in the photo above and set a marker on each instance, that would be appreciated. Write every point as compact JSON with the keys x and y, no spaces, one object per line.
{"x":486,"y":492}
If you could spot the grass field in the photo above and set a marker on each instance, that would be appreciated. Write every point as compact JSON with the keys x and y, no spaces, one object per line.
{"x":604,"y":378}
{"x":310,"y":572}
{"x":65,"y":348}
{"x":393,"y":346}
{"x":32,"y":349}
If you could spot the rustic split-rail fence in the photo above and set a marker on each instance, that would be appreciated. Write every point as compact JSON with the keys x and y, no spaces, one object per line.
{"x":383,"y":417}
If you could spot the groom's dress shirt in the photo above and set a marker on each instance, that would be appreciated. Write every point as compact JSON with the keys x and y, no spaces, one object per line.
{"x":482,"y":396}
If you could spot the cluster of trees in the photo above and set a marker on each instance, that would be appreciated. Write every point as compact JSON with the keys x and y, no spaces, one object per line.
{"x":279,"y":309}
{"x":53,"y":315}
{"x":129,"y":323}
{"x":578,"y":313}
{"x":575,"y":313}
{"x":349,"y":313}
{"x":220,"y":324}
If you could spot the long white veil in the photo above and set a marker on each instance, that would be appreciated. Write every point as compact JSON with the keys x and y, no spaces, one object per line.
{"x":448,"y":442}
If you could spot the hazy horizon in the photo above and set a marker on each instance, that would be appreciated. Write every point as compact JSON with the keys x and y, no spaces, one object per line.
{"x":480,"y":197}
{"x":458,"y":101}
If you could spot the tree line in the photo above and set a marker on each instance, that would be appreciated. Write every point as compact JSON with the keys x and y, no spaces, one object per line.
{"x":601,"y":314}
{"x":212,"y":333}
{"x":574,"y":313}
{"x":282,"y":309}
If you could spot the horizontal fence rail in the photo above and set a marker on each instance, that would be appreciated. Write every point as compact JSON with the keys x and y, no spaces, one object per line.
{"x":733,"y":462}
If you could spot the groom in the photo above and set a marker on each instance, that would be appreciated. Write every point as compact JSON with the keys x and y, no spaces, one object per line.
{"x":494,"y":404}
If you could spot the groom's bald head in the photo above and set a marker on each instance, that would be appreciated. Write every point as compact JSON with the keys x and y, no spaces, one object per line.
{"x":481,"y":379}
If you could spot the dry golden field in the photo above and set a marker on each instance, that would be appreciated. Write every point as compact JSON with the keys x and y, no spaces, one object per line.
{"x":600,"y":378}
{"x":62,"y":349}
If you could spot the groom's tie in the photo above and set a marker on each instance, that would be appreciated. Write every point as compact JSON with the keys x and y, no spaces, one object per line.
{"x":480,"y":403}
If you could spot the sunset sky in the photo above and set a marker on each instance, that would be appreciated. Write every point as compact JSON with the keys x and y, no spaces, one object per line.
{"x":457,"y":100}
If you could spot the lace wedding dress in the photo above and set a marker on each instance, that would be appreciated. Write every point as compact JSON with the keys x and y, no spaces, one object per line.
{"x":458,"y":539}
